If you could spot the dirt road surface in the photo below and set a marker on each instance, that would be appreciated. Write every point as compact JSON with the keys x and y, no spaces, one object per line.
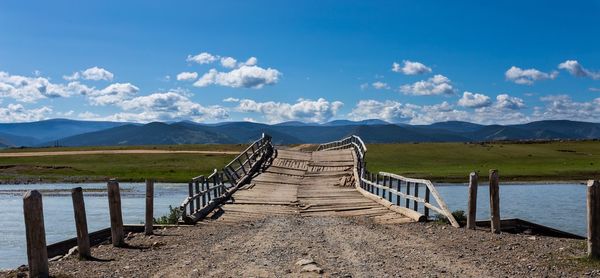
{"x":338,"y":246}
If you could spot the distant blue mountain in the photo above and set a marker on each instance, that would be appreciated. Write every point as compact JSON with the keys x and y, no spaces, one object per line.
{"x":87,"y":133}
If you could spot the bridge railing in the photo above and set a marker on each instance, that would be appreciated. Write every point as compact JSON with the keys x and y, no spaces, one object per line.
{"x":400,"y":193}
{"x":206,"y":193}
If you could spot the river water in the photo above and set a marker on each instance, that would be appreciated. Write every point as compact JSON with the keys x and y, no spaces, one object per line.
{"x":561,"y":206}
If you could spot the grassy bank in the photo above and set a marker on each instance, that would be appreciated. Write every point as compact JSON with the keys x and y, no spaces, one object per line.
{"x":441,"y":162}
{"x":452,"y":162}
{"x":125,"y":167}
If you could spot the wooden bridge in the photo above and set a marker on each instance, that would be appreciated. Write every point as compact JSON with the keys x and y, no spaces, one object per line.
{"x":333,"y":180}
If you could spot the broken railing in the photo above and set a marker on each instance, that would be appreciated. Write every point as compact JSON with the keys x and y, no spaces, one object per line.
{"x":398,"y":193}
{"x":206,"y":193}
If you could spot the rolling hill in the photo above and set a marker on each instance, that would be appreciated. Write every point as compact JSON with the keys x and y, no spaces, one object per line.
{"x":85,"y":133}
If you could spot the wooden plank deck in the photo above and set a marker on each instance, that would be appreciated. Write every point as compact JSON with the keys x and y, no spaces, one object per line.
{"x":306,"y":184}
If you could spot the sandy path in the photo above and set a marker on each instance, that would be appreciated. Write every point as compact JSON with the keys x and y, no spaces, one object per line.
{"x":30,"y":154}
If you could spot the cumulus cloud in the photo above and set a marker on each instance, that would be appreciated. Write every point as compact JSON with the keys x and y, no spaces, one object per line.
{"x":594,"y":89}
{"x":474,"y":100}
{"x":202,"y":58}
{"x":305,"y":110}
{"x":576,"y":69}
{"x":252,"y":61}
{"x":186,"y":76}
{"x":228,"y":62}
{"x":112,"y":94}
{"x":527,"y":76}
{"x":30,"y":89}
{"x":231,"y":99}
{"x":18,"y":113}
{"x":411,"y":68}
{"x":167,"y":106}
{"x":245,"y":76}
{"x":390,"y":111}
{"x":94,"y":73}
{"x":380,"y":85}
{"x":509,"y":102}
{"x":561,"y":107}
{"x":436,"y":85}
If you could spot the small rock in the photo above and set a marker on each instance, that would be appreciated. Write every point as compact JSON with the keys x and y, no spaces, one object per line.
{"x":312,"y":268}
{"x":303,"y":262}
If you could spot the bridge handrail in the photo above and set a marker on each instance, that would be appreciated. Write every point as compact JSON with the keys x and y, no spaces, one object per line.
{"x":370,"y":182}
{"x":205,"y":193}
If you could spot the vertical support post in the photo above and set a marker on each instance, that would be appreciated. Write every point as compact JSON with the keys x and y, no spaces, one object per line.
{"x":407,"y":193}
{"x":148,"y":225}
{"x":472,"y":205}
{"x":191,"y":194}
{"x":197,"y":190}
{"x":377,"y":182}
{"x":202,"y":187}
{"x":216,"y":183}
{"x":37,"y":254}
{"x":494,"y":202}
{"x":427,"y":197}
{"x":116,"y":216}
{"x":83,"y":239}
{"x":398,"y":185}
{"x":384,"y":183}
{"x":208,"y":189}
{"x":415,"y":203}
{"x":593,"y":219}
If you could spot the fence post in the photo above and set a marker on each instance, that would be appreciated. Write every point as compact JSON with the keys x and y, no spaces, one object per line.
{"x":494,"y":202}
{"x":37,"y":254}
{"x":472,"y":205}
{"x":83,"y":239}
{"x":116,"y":216}
{"x":148,"y":225}
{"x":593,"y":219}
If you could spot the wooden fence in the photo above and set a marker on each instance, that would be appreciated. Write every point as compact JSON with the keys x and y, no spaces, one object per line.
{"x":397,"y":191}
{"x":206,"y":193}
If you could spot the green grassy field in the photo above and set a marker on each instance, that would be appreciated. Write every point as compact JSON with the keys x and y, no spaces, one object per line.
{"x":452,"y":162}
{"x":440,"y":162}
{"x":203,"y":147}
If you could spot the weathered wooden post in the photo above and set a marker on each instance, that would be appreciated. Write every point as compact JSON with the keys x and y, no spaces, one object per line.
{"x":593,"y":219}
{"x":37,"y":254}
{"x":494,"y":202}
{"x":472,"y":206}
{"x":148,"y":225}
{"x":83,"y":239}
{"x":116,"y":216}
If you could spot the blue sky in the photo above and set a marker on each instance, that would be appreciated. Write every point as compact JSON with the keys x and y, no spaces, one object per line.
{"x":413,"y":62}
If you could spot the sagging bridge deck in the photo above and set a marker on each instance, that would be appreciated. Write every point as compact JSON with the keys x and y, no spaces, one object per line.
{"x":331,"y":181}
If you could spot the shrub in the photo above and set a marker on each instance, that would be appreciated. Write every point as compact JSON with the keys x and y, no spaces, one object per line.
{"x":459,"y":215}
{"x":172,"y":217}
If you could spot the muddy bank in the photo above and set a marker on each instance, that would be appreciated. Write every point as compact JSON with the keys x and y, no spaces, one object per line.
{"x":331,"y":246}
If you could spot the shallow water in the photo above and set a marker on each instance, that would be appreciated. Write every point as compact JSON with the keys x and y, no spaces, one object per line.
{"x":561,"y":206}
{"x":58,"y":212}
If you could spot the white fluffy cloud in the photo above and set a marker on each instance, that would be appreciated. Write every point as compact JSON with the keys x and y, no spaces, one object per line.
{"x":474,"y":100}
{"x":245,"y":76}
{"x":165,"y":107}
{"x":228,"y":62}
{"x":18,"y":113}
{"x":380,"y":85}
{"x":112,"y":94}
{"x":186,"y":76}
{"x":202,"y":58}
{"x":527,"y":76}
{"x":436,"y":85}
{"x":304,"y":110}
{"x":94,"y":73}
{"x":576,"y":69}
{"x":231,"y":99}
{"x":396,"y":112}
{"x":30,"y":89}
{"x":411,"y":68}
{"x":560,"y":107}
{"x":509,"y":102}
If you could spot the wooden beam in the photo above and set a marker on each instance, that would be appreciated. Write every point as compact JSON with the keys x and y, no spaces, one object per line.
{"x":116,"y":216}
{"x":149,"y":207}
{"x":593,"y":219}
{"x":83,"y":238}
{"x":472,"y":205}
{"x":494,"y":201}
{"x":37,"y":253}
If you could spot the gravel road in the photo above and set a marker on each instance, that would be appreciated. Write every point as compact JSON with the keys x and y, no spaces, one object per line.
{"x":296,"y":246}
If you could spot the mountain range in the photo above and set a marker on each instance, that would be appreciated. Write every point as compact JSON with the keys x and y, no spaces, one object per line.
{"x":90,"y":133}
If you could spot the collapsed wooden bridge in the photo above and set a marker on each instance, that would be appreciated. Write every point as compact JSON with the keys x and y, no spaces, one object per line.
{"x":333,"y":180}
